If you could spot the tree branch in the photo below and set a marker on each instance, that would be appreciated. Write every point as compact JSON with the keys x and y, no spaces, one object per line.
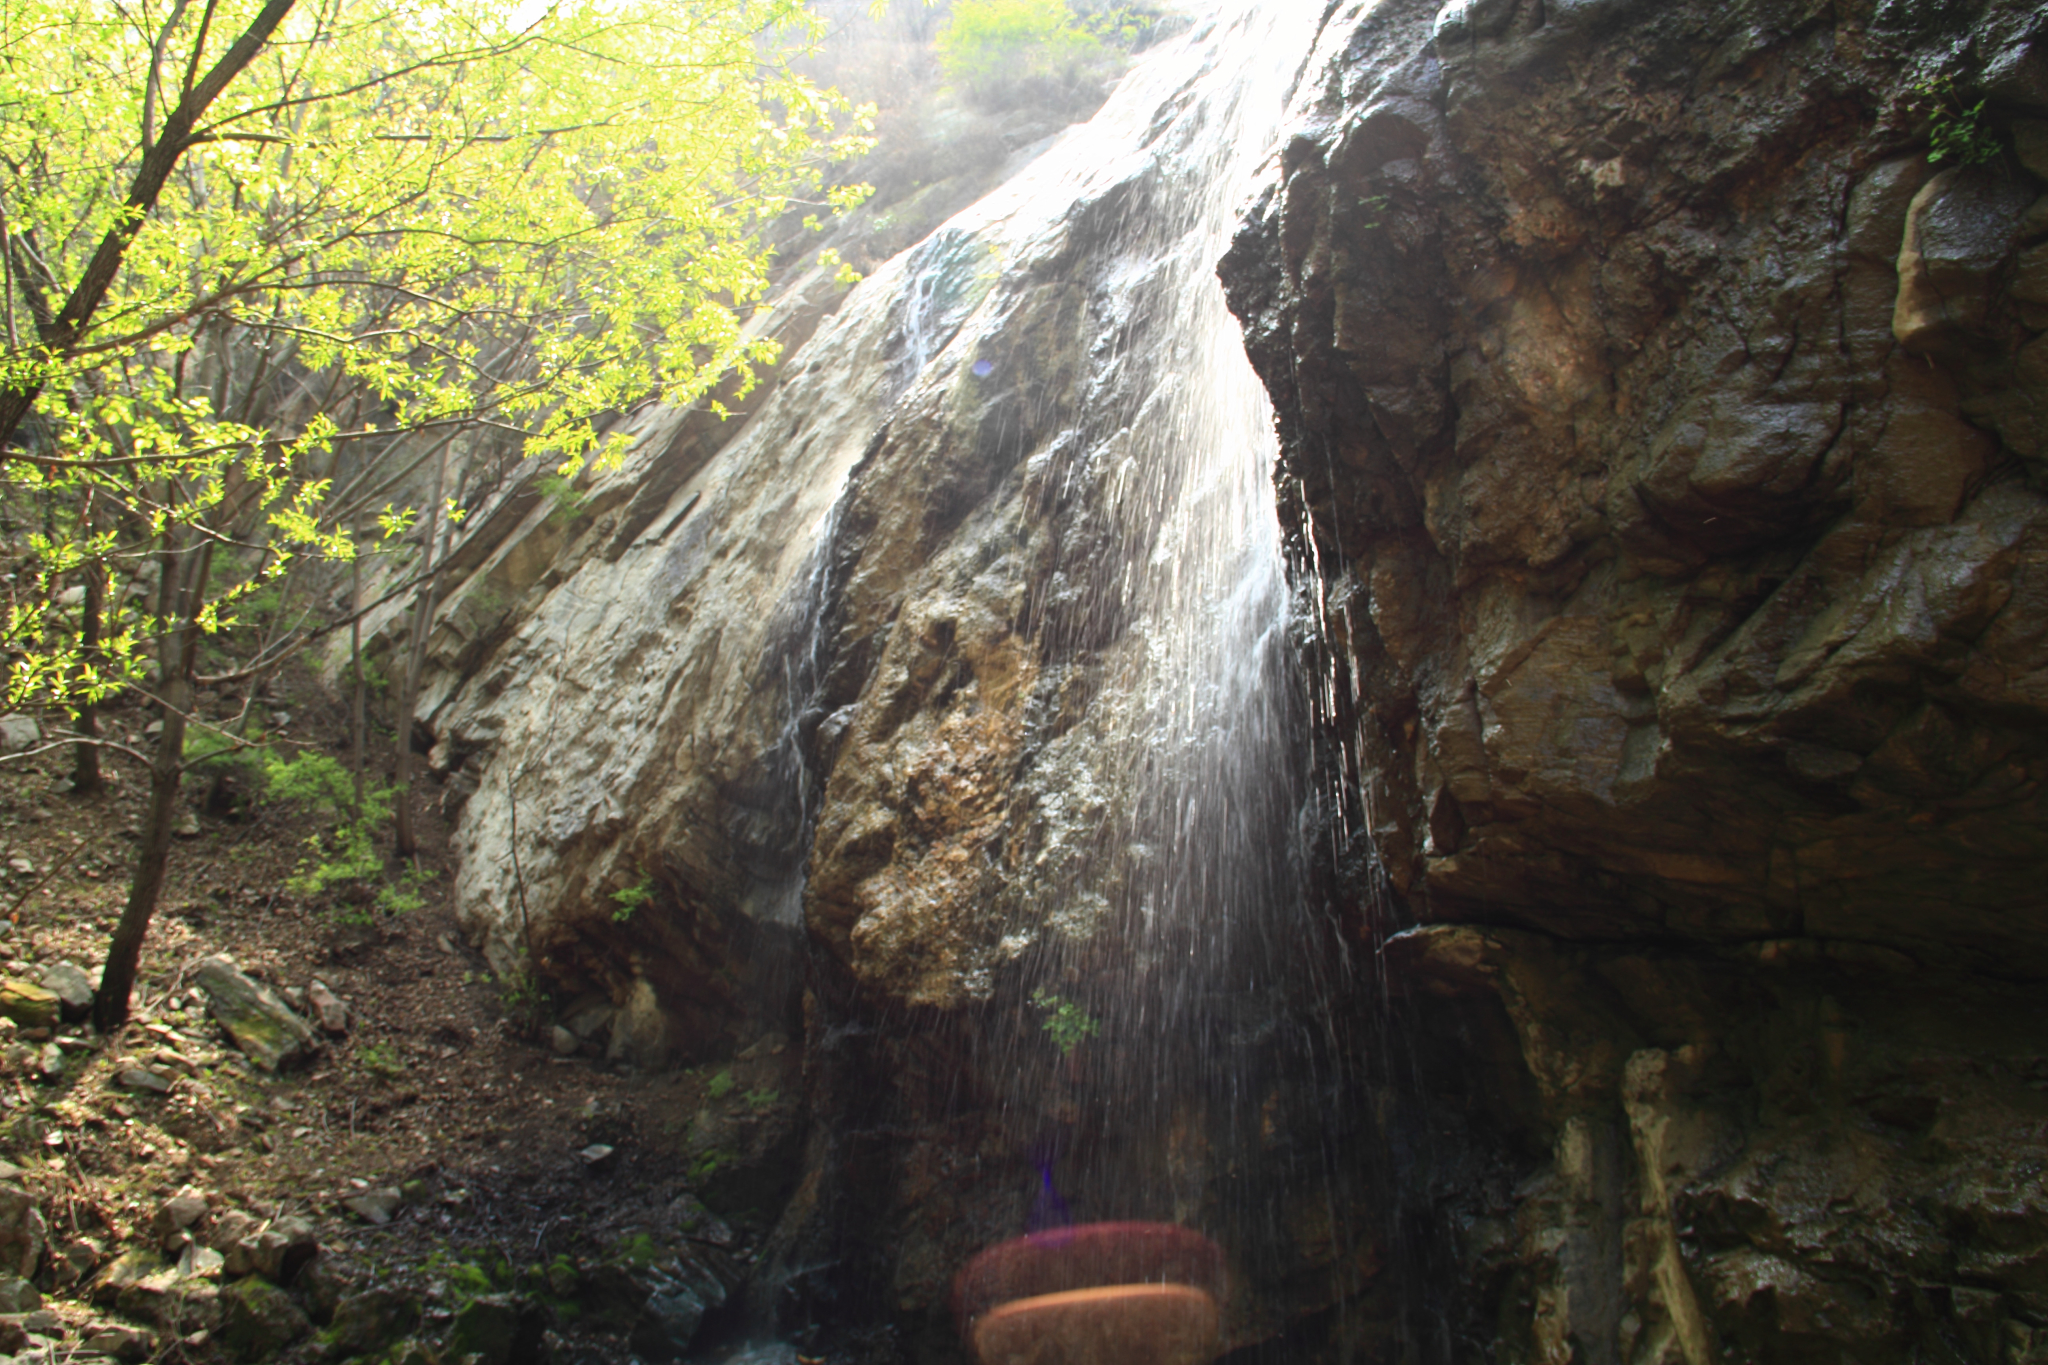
{"x":158,"y":162}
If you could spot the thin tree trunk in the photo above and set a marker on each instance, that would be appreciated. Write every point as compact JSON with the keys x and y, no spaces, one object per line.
{"x":85,"y":767}
{"x":179,"y":660}
{"x":85,"y":756}
{"x":355,"y":654}
{"x":406,"y":841}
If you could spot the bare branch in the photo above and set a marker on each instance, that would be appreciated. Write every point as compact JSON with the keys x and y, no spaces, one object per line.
{"x":154,"y":81}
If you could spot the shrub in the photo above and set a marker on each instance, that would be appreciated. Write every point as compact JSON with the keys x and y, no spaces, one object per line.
{"x":628,"y":899}
{"x":1066,"y":1023}
{"x":326,"y":788}
{"x":1956,"y":131}
{"x":404,"y":896}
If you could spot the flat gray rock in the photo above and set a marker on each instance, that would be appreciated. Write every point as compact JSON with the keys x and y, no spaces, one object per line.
{"x":201,"y":1262}
{"x":18,"y":733}
{"x":72,"y":987}
{"x":259,"y":1023}
{"x":144,"y":1080}
{"x":375,"y":1206}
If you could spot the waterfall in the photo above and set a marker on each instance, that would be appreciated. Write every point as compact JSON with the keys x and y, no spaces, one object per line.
{"x":1164,"y":902}
{"x":1195,"y":865}
{"x":972,"y":648}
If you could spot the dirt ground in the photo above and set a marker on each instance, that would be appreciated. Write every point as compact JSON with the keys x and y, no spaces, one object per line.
{"x":431,"y":1088}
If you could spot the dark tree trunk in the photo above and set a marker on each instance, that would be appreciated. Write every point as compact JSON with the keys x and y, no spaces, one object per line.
{"x":124,"y":953}
{"x":180,"y":658}
{"x":85,"y":767}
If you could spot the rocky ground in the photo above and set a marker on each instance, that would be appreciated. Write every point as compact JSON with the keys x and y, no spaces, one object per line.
{"x":433,"y":1172}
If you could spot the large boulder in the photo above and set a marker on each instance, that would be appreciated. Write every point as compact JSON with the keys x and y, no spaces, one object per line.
{"x":1662,"y":435}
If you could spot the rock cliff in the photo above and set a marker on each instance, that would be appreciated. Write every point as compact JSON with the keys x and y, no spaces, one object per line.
{"x":1662,"y":429}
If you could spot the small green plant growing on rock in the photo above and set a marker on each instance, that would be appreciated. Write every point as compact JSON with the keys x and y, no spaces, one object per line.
{"x":762,"y":1099}
{"x":628,"y":899}
{"x":1956,"y":131}
{"x":707,"y":1166}
{"x":559,"y":490}
{"x":462,"y":1280}
{"x":640,"y":1250}
{"x":720,"y":1085}
{"x":1066,"y":1023}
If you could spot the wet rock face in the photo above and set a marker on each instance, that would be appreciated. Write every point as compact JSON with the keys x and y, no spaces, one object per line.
{"x":1778,"y":1153}
{"x":1663,"y":436}
{"x":1665,"y":431}
{"x":1662,"y":423}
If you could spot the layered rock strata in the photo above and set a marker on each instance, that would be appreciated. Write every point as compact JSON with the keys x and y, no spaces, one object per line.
{"x":1663,"y":429}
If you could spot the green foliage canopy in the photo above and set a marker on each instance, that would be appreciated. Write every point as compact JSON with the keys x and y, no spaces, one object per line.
{"x":238,"y":237}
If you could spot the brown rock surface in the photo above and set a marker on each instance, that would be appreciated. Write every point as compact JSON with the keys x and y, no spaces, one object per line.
{"x":1691,"y":582}
{"x":1666,"y":433}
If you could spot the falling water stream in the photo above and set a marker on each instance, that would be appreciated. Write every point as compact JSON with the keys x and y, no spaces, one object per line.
{"x":1176,"y":889}
{"x":1193,"y":872}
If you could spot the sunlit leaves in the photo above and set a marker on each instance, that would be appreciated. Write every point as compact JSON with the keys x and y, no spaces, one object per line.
{"x":403,"y":220}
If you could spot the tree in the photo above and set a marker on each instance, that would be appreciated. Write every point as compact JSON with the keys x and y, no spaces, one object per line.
{"x":263,"y":261}
{"x":989,"y":48}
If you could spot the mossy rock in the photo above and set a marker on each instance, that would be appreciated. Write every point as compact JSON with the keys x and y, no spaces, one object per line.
{"x":410,"y":1352}
{"x":497,"y":1329}
{"x":125,"y":1272}
{"x":370,"y":1321}
{"x":262,"y":1026}
{"x":28,"y":1004}
{"x":258,"y":1320}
